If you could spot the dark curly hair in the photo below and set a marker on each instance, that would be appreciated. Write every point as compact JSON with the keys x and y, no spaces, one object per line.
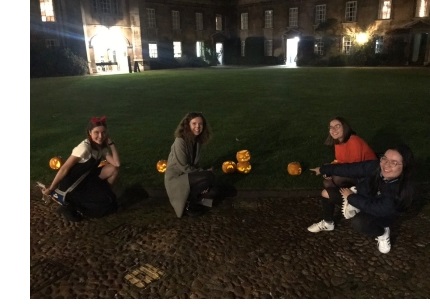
{"x":183,"y":130}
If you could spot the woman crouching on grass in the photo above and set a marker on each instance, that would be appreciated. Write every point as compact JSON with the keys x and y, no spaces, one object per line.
{"x":384,"y":190}
{"x":82,"y":186}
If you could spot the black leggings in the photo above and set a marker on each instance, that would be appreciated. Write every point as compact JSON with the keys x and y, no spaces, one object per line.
{"x":361,"y":222}
{"x":199,"y":182}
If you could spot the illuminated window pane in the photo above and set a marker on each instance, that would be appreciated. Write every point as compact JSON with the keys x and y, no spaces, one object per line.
{"x":347,"y":44}
{"x":177,"y":49}
{"x":385,"y":9}
{"x":47,"y":11}
{"x":379,"y":44}
{"x":106,"y":6}
{"x":153,"y":53}
{"x":293,"y":17}
{"x":199,"y":49}
{"x":422,"y":8}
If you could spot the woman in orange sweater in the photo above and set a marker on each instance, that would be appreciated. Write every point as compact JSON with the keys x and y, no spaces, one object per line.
{"x":348,"y":148}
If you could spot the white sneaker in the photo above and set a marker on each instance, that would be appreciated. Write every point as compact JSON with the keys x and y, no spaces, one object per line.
{"x":384,"y":244}
{"x":321,"y":226}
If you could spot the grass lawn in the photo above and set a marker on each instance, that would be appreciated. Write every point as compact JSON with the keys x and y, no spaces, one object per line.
{"x":279,"y":114}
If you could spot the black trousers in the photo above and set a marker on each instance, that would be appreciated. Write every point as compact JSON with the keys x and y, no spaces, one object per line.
{"x":362,"y":222}
{"x":199,"y":182}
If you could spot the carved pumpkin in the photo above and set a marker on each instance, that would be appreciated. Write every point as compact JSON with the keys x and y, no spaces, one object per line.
{"x":243,"y":155}
{"x":55,"y":162}
{"x":243,"y":167}
{"x":294,"y":168}
{"x":228,"y":166}
{"x":162,"y":165}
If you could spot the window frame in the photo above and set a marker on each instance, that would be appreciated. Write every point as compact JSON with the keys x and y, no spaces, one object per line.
{"x":244,"y":21}
{"x":176,"y":20}
{"x":293,"y":17}
{"x":199,"y":21}
{"x":47,"y":10}
{"x":268,"y":19}
{"x":153,"y":50}
{"x":151,"y":21}
{"x":320,"y":13}
{"x":351,"y":8}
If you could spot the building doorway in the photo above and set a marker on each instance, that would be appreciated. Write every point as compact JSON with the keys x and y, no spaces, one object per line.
{"x":291,"y":49}
{"x":219,"y":53}
{"x":110,"y":51}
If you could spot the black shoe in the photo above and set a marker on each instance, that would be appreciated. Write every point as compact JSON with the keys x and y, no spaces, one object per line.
{"x":195,"y":210}
{"x":69,"y":213}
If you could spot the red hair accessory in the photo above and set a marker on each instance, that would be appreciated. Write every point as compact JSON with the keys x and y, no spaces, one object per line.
{"x":96,"y":120}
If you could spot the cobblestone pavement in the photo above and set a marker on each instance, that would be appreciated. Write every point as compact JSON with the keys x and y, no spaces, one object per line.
{"x":245,"y":247}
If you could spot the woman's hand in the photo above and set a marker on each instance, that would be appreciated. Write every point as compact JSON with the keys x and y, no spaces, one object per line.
{"x":316,"y":170}
{"x":46,"y":191}
{"x":345,"y":192}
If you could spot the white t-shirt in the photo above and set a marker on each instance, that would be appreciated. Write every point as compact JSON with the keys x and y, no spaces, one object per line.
{"x":85,"y":152}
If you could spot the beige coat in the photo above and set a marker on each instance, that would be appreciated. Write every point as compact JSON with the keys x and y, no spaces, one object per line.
{"x":179,"y":163}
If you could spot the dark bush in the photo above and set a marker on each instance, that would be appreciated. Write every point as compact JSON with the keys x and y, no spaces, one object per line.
{"x":55,"y":62}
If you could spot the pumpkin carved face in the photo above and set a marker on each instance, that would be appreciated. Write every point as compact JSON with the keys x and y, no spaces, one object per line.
{"x":162,"y":165}
{"x":294,"y":168}
{"x":243,"y":155}
{"x":55,"y":162}
{"x":244,"y":167}
{"x":228,"y":166}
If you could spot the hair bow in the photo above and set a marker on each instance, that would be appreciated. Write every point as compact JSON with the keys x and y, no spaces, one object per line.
{"x":96,"y":120}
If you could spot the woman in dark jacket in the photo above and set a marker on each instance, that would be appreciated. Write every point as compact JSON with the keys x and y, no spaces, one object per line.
{"x":383,"y":189}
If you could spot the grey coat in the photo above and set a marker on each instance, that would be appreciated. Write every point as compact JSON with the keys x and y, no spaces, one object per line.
{"x":179,"y":164}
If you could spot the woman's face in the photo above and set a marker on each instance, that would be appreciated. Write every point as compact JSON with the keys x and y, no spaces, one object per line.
{"x":336,"y":130}
{"x":98,"y":134}
{"x":391,"y":165}
{"x":196,"y":126}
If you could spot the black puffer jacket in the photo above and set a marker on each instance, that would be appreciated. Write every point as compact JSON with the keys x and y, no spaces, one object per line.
{"x":374,"y":195}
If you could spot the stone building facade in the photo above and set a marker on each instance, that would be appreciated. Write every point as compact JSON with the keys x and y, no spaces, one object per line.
{"x":132,"y":35}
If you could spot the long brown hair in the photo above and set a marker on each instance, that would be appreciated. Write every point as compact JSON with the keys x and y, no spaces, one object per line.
{"x":183,"y":130}
{"x":94,"y":122}
{"x":347,"y":132}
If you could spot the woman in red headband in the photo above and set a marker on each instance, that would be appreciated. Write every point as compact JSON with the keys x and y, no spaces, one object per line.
{"x":82,"y":185}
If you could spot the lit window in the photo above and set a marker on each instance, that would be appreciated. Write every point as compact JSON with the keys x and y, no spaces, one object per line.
{"x":268,"y":48}
{"x":177,"y":49}
{"x":379,"y":44}
{"x":320,"y":13}
{"x":293,"y":17}
{"x":422,"y":8}
{"x":346,"y":45}
{"x":242,"y":48}
{"x":150,"y":14}
{"x":199,"y":49}
{"x":176,"y":21}
{"x":319,"y":47}
{"x":47,"y":10}
{"x":244,"y":21}
{"x":218,"y":22}
{"x":268,"y":19}
{"x":153,"y":53}
{"x":385,"y":9}
{"x":351,"y":11}
{"x":199,"y":21}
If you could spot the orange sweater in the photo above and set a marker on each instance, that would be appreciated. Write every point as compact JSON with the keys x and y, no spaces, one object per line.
{"x":354,"y":150}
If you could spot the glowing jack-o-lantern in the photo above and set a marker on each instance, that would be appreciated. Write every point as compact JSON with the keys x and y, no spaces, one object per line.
{"x":162,"y":165}
{"x":55,"y":162}
{"x":294,"y":168}
{"x":243,"y":167}
{"x":228,"y":166}
{"x":243,"y":155}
